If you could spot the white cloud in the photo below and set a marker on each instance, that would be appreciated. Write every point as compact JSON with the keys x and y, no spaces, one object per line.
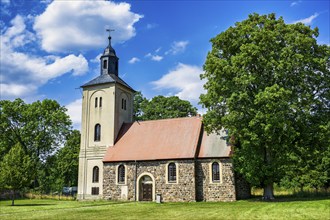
{"x":22,"y":73}
{"x":74,"y":111}
{"x":79,"y":25}
{"x":184,"y":80}
{"x":177,"y":47}
{"x":17,"y":90}
{"x":96,"y":59}
{"x":308,"y":20}
{"x":5,"y":1}
{"x":133,"y":60}
{"x":154,"y":57}
{"x":295,"y":3}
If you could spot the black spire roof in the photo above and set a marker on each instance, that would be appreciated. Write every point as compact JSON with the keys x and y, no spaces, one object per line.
{"x":109,"y":69}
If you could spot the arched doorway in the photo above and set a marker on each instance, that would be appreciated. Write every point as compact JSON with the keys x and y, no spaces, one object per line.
{"x":146,"y":187}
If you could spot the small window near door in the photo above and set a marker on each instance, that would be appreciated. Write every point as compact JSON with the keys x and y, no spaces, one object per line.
{"x":95,"y":190}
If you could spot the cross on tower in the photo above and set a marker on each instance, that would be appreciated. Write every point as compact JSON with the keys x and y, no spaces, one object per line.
{"x":109,"y":30}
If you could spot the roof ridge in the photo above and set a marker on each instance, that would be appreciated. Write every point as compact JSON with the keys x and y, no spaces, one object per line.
{"x":170,"y":119}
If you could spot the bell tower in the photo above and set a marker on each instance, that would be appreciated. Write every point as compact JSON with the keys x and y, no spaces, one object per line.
{"x":109,"y":59}
{"x":107,"y":103}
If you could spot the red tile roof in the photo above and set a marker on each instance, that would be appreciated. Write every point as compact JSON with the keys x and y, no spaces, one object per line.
{"x":177,"y":138}
{"x":157,"y":139}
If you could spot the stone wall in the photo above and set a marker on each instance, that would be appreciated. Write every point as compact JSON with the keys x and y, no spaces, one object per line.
{"x":183,"y":190}
{"x":206,"y":190}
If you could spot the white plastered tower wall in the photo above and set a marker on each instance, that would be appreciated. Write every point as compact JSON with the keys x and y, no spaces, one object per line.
{"x":116,"y":109}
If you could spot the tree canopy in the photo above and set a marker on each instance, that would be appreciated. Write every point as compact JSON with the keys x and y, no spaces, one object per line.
{"x":39,"y":128}
{"x":161,"y":107}
{"x":268,"y":83}
{"x":15,"y":170}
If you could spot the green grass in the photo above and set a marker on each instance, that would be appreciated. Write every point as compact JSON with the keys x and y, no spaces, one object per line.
{"x":284,"y":208}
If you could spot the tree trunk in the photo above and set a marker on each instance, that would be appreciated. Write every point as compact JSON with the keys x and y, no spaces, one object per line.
{"x":13,"y":198}
{"x":268,"y":192}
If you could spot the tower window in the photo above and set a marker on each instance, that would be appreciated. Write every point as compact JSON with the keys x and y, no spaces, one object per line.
{"x":95,"y":102}
{"x":123,"y":104}
{"x":100,"y":101}
{"x":121,"y":174}
{"x":105,"y":64}
{"x":95,"y":174}
{"x":97,"y":132}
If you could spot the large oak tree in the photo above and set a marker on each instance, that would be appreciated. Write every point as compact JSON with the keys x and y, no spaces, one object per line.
{"x":268,"y":83}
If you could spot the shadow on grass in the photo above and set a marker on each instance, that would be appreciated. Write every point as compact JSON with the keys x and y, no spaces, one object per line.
{"x":37,"y":204}
{"x":290,"y":198}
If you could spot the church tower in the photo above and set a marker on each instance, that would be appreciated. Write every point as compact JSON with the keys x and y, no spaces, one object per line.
{"x":107,"y":103}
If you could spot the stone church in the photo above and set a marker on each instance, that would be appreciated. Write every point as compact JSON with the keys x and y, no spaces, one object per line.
{"x":171,"y":159}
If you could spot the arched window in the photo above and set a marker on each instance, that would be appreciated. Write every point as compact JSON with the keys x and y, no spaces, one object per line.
{"x":95,"y":102}
{"x":215,"y":172}
{"x":100,"y":102}
{"x":121,"y":174}
{"x":172,"y":172}
{"x":95,"y":174}
{"x":97,"y":132}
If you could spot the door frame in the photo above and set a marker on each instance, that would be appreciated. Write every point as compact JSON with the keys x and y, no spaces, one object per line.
{"x":138,"y":186}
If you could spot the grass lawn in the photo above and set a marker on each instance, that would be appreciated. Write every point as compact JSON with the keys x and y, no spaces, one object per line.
{"x":314,"y":208}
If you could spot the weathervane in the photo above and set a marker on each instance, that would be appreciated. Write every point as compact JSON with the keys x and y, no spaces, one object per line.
{"x":109,"y":30}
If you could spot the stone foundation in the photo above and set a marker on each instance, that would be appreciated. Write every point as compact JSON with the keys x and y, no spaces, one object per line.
{"x":207,"y":190}
{"x":183,"y":190}
{"x":194,"y":181}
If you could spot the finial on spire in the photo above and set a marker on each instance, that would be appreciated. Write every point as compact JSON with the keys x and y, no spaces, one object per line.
{"x":109,"y":30}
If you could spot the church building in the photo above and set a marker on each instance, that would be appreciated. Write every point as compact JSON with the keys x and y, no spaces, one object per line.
{"x":170,"y":159}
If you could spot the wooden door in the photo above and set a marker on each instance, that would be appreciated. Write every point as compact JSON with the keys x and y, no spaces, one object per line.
{"x":146,"y":192}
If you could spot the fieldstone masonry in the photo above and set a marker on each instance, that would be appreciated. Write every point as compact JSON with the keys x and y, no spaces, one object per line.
{"x":193,"y":181}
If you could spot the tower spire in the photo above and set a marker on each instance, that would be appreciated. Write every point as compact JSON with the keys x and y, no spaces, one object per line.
{"x":109,"y":37}
{"x":109,"y":60}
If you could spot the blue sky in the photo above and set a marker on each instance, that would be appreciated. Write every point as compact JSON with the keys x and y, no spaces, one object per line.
{"x":50,"y":48}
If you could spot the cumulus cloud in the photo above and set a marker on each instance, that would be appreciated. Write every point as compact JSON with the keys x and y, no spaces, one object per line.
{"x":133,"y":60}
{"x":295,"y":3}
{"x":74,"y":111}
{"x":5,"y":1}
{"x":154,"y":57}
{"x":177,"y":47}
{"x":308,"y":20}
{"x":22,"y":73}
{"x":184,"y":80}
{"x":78,"y":25}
